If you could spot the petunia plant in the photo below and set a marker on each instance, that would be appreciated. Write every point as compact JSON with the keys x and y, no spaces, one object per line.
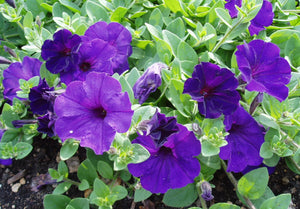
{"x":160,"y":95}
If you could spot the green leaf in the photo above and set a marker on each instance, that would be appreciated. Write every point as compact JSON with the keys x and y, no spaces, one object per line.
{"x":79,"y":203}
{"x":47,"y":7}
{"x":140,"y":154}
{"x":63,"y":169}
{"x":53,"y":173}
{"x":164,"y":51}
{"x":224,"y":16}
{"x":58,"y":10}
{"x":266,"y":150}
{"x":238,"y":30}
{"x":28,"y":19}
{"x":68,"y":149}
{"x":188,"y":57}
{"x":133,"y":76}
{"x":175,"y":6}
{"x":22,"y":149}
{"x":71,"y":6}
{"x":268,"y":121}
{"x":8,"y":115}
{"x":53,"y":201}
{"x":182,"y":102}
{"x":62,"y":188}
{"x":127,"y":88}
{"x":84,"y":185}
{"x":118,"y":14}
{"x":105,"y":170}
{"x":177,"y":27}
{"x":141,"y":194}
{"x":279,"y":202}
{"x":210,"y":30}
{"x":181,"y":197}
{"x":87,"y":171}
{"x":154,"y":31}
{"x":268,"y":194}
{"x":142,"y":113}
{"x":172,"y":39}
{"x":208,"y":149}
{"x":224,"y":206}
{"x":119,"y":192}
{"x":273,"y":161}
{"x":253,"y":184}
{"x":156,"y":18}
{"x":100,"y":188}
{"x":96,"y":12}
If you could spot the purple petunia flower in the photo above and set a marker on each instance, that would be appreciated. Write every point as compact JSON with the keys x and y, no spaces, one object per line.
{"x":95,"y":55}
{"x":214,"y":89}
{"x":230,"y":6}
{"x":47,"y":124}
{"x":41,"y":100}
{"x":159,"y":127}
{"x":148,"y":82}
{"x":61,"y":54}
{"x":4,"y":161}
{"x":264,"y":18}
{"x":29,"y":68}
{"x":244,"y":141}
{"x":92,"y":111}
{"x":263,"y":69}
{"x":117,"y":36}
{"x":171,"y":164}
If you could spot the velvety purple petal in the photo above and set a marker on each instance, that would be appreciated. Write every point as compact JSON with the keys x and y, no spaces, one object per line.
{"x":29,"y":68}
{"x":6,"y":162}
{"x":230,"y":6}
{"x":84,"y":114}
{"x":263,"y":69}
{"x":170,"y":165}
{"x":264,"y":18}
{"x":116,"y":35}
{"x":60,"y":53}
{"x":214,"y":89}
{"x":244,"y":141}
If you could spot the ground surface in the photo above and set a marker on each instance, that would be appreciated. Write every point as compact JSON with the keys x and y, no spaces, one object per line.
{"x":17,"y":180}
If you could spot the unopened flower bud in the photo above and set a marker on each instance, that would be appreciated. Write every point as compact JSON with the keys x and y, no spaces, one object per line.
{"x":11,"y":3}
{"x":196,"y":128}
{"x":3,"y":60}
{"x":148,"y":82}
{"x":206,"y":191}
{"x":257,"y":100}
{"x":10,"y":51}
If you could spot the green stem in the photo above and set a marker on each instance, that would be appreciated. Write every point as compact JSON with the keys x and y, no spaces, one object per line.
{"x":235,"y":183}
{"x":226,"y":35}
{"x":72,"y":182}
{"x":289,"y":141}
{"x":20,"y":25}
{"x":295,"y":11}
{"x":294,"y":163}
{"x":203,"y":202}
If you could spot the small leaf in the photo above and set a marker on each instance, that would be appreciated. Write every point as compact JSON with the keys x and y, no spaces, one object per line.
{"x":156,"y":18}
{"x":22,"y":150}
{"x":118,"y":14}
{"x":63,"y":169}
{"x":68,"y":149}
{"x":181,"y":197}
{"x":224,"y":206}
{"x":52,"y":201}
{"x":84,"y":185}
{"x":62,"y":188}
{"x":79,"y":203}
{"x":105,"y":170}
{"x":100,"y":188}
{"x":279,"y":202}
{"x":87,"y":171}
{"x":119,"y":191}
{"x":254,"y":183}
{"x":141,"y":194}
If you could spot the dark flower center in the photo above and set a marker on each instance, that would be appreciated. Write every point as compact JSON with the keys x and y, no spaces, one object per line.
{"x":85,"y":66}
{"x":165,"y":151}
{"x":99,"y":112}
{"x":205,"y":91}
{"x":66,"y":52}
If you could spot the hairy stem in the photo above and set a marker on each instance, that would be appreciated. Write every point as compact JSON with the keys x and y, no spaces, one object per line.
{"x":226,"y":35}
{"x":235,"y":183}
{"x":203,"y":202}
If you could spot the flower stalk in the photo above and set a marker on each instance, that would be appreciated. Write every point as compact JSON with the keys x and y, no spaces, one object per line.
{"x":235,"y":183}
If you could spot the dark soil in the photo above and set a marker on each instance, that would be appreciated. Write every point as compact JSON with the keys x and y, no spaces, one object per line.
{"x":44,"y":156}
